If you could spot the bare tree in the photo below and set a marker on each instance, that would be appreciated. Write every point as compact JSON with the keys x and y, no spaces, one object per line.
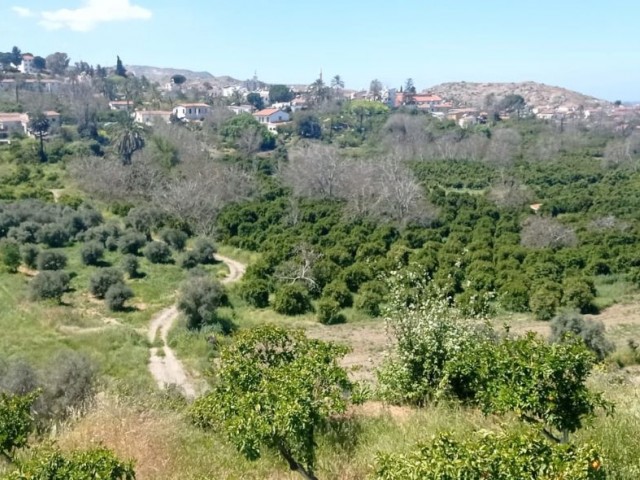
{"x":543,"y":232}
{"x":510,"y":193}
{"x":299,"y":269}
{"x":315,"y":170}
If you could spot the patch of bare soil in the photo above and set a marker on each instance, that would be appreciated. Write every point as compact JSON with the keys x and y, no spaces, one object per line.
{"x":367,"y":341}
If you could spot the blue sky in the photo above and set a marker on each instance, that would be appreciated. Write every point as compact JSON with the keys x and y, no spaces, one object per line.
{"x":592,"y":46}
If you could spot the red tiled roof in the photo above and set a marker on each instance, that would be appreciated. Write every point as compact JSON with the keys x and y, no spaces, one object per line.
{"x":12,"y":117}
{"x":266,"y":112}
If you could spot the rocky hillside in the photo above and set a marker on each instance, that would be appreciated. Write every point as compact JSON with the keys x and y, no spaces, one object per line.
{"x":535,"y":94}
{"x":162,"y":75}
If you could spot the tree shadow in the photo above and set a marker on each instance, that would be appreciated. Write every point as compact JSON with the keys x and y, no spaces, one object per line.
{"x":343,"y":433}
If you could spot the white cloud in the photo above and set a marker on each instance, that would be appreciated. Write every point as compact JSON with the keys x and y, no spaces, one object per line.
{"x":22,"y":12}
{"x":92,"y":13}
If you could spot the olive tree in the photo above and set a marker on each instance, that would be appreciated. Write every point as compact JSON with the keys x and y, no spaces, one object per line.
{"x":199,"y":299}
{"x":275,"y":389}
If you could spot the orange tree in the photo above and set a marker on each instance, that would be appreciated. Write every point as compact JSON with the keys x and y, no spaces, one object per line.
{"x":276,"y":389}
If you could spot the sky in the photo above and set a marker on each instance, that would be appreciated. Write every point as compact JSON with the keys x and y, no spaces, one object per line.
{"x":592,"y":46}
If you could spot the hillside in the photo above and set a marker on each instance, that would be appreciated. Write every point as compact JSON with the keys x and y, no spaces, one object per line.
{"x":535,"y":94}
{"x":162,"y":75}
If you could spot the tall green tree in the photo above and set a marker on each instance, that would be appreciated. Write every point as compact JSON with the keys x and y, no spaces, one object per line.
{"x":39,"y":63}
{"x":39,"y":125}
{"x":120,"y":70}
{"x":256,"y":100}
{"x":16,"y":56}
{"x":128,"y":138}
{"x":275,"y":389}
{"x":280,"y":93}
{"x":57,"y":63}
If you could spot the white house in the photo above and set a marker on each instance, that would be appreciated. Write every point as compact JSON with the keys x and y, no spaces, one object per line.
{"x":271,"y":115}
{"x":151,"y":117}
{"x":238,"y":109}
{"x":11,"y":123}
{"x":27,"y":64}
{"x":192,"y":111}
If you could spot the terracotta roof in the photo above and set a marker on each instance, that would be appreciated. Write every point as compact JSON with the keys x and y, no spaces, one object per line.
{"x":51,"y":113}
{"x":267,"y":112}
{"x":27,"y":56}
{"x":12,"y":117}
{"x":426,"y":98}
{"x":121,"y":102}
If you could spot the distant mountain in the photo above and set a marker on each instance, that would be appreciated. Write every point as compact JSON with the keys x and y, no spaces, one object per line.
{"x":162,"y":75}
{"x":535,"y":94}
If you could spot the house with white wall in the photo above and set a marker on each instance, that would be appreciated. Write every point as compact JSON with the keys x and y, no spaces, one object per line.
{"x":27,"y":64}
{"x":271,"y":115}
{"x":192,"y":111}
{"x":151,"y":117}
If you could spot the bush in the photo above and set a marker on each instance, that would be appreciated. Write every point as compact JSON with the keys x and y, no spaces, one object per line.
{"x":499,"y":457}
{"x":10,"y":255}
{"x":53,"y":235}
{"x":48,"y":260}
{"x":255,"y":292}
{"x":329,"y":312}
{"x":203,"y":249}
{"x":130,"y":266}
{"x":116,"y":296}
{"x":545,"y":300}
{"x":49,"y":285}
{"x":590,"y":331}
{"x":578,"y":294}
{"x":338,"y":291}
{"x":355,"y":275}
{"x":199,"y":299}
{"x":157,"y":252}
{"x":177,"y":239}
{"x":131,"y":243}
{"x":189,"y":260}
{"x":68,"y":386}
{"x":29,"y":254}
{"x":370,"y":298}
{"x":292,"y":299}
{"x":92,"y":253}
{"x":102,"y":280}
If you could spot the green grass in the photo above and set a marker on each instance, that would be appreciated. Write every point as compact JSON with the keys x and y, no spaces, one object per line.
{"x":613,"y":289}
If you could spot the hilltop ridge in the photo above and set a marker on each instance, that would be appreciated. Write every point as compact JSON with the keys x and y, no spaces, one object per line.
{"x":473,"y":94}
{"x":163,"y":74}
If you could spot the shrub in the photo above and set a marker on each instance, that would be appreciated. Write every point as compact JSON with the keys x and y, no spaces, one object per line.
{"x":513,"y":295}
{"x":255,"y":292}
{"x":370,"y":298}
{"x":292,"y":299}
{"x":82,"y":465}
{"x":16,"y":422}
{"x":92,"y":253}
{"x":157,"y":252}
{"x":48,"y":260}
{"x":117,"y":295}
{"x":130,"y":266}
{"x":329,"y":312}
{"x":53,"y":235}
{"x":338,"y":291}
{"x":497,"y":456}
{"x":68,"y":386}
{"x":10,"y":255}
{"x":102,"y":280}
{"x":545,"y":300}
{"x":111,"y":244}
{"x":590,"y":331}
{"x":189,"y":260}
{"x":578,"y":293}
{"x":27,"y":232}
{"x":199,"y":299}
{"x":49,"y":285}
{"x":355,"y":275}
{"x":131,"y":243}
{"x":203,"y":249}
{"x":29,"y":254}
{"x":177,"y":239}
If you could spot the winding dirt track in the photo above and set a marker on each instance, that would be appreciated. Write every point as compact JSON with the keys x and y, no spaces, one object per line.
{"x":165,"y":367}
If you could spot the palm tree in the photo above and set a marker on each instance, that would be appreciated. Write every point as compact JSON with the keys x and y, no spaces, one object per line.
{"x":337,"y":83}
{"x":128,"y":138}
{"x":39,"y":125}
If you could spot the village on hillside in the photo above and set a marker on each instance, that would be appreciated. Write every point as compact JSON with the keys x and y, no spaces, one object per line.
{"x":177,"y":98}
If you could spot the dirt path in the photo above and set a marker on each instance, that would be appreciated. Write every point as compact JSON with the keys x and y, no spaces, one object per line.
{"x":164,"y":366}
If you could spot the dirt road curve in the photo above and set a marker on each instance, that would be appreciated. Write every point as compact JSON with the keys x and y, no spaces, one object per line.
{"x":164,"y":366}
